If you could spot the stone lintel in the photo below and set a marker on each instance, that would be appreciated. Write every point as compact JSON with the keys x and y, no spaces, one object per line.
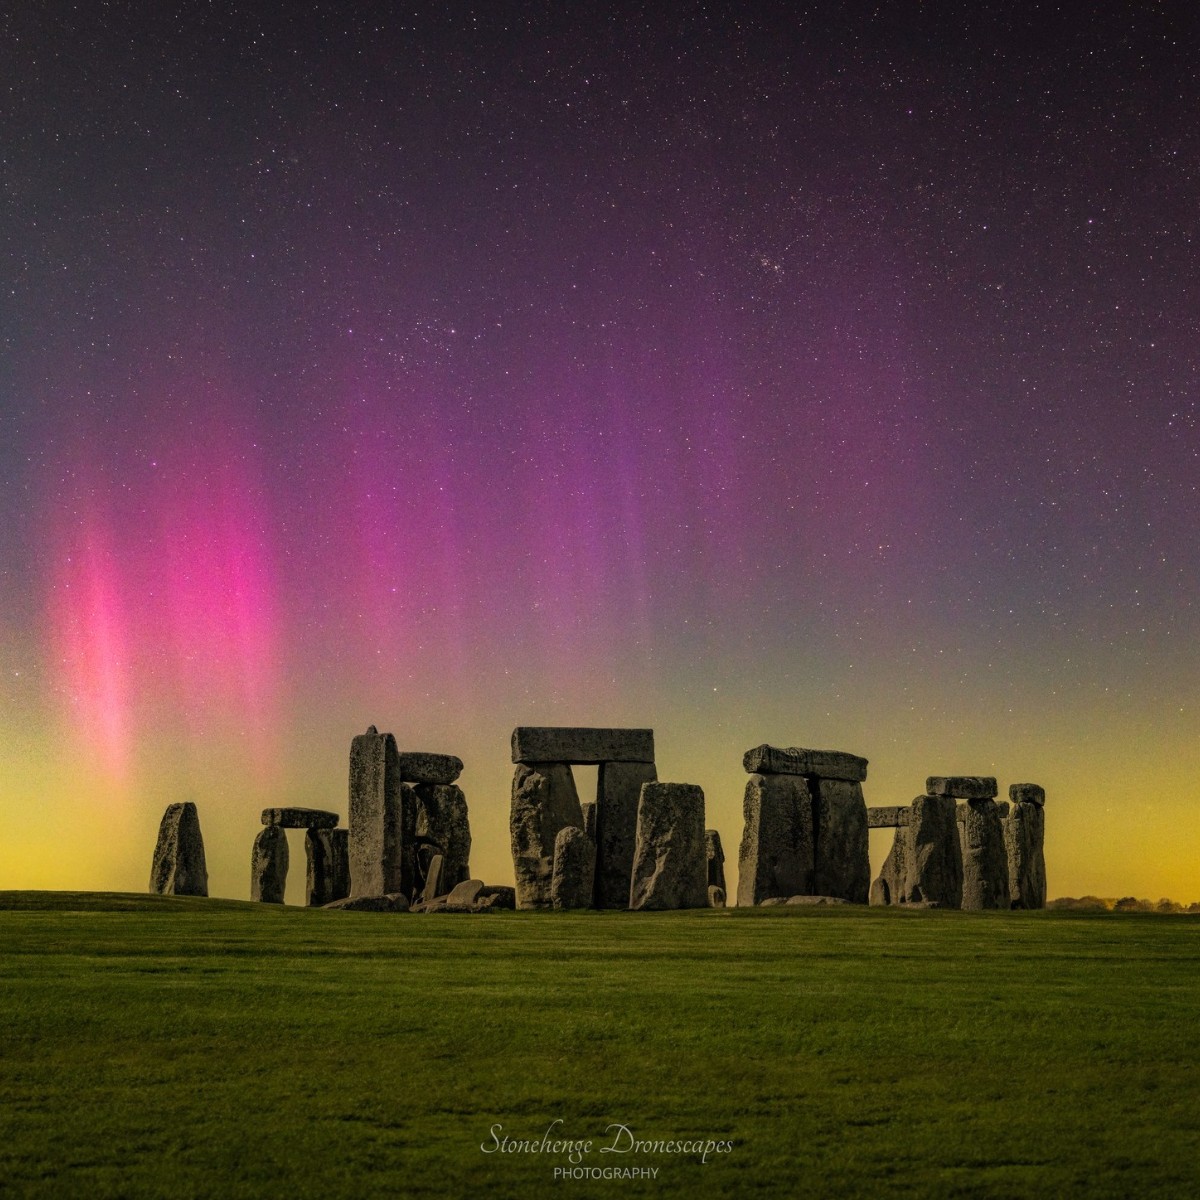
{"x":888,"y":818}
{"x":300,"y":818}
{"x":1027,"y":793}
{"x":962,"y":787}
{"x":824,"y":764}
{"x":584,"y":747}
{"x":419,"y":767}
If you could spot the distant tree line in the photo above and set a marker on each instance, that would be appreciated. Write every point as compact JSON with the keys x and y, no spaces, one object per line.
{"x":1125,"y":904}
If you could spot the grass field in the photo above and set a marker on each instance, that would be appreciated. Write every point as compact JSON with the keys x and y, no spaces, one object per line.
{"x":173,"y":1047}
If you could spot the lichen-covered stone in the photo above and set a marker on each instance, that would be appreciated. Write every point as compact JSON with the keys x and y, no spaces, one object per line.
{"x":776,"y":853}
{"x":618,"y":792}
{"x":1027,"y":793}
{"x":985,"y":857}
{"x":327,"y":877}
{"x":441,"y":821}
{"x":1024,"y":842}
{"x":792,"y":760}
{"x":299,"y":818}
{"x":716,"y":896}
{"x":269,"y":865}
{"x":434,"y":887}
{"x":890,"y":817}
{"x":419,"y":767}
{"x":534,"y":744}
{"x":544,"y":801}
{"x":842,"y":857}
{"x":934,"y":869}
{"x":394,"y":902}
{"x":382,"y":853}
{"x":178,"y":867}
{"x":962,"y":787}
{"x":670,"y":867}
{"x":574,"y":877}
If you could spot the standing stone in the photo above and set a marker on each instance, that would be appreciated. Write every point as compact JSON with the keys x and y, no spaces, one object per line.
{"x":935,"y":859}
{"x":1024,"y":843}
{"x":716,"y":860}
{"x":589,"y":817}
{"x":381,"y":822}
{"x":888,"y":888}
{"x":985,"y":858}
{"x":434,"y":880}
{"x":441,"y":819}
{"x":669,"y":862}
{"x":544,"y":801}
{"x":573,"y":880}
{"x":842,"y":855}
{"x":776,"y":855}
{"x":716,"y":896}
{"x":269,"y":865}
{"x":327,"y":877}
{"x":178,"y":867}
{"x":618,"y":792}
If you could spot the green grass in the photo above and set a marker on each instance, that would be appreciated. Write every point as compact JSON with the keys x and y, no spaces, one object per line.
{"x":172,"y":1047}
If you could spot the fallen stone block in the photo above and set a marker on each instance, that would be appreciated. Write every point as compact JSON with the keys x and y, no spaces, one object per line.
{"x":802,"y":901}
{"x":669,"y":864}
{"x":395,"y":902}
{"x":545,"y":744}
{"x":178,"y":867}
{"x":962,"y":787}
{"x":791,"y":760}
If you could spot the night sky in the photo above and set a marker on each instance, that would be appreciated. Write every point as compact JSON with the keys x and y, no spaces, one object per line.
{"x":822,"y":379}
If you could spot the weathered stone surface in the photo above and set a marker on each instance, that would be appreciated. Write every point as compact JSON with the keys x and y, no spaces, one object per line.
{"x":300,"y":818}
{"x":533,"y":744}
{"x":776,"y":854}
{"x":772,"y":901}
{"x":588,"y":807}
{"x":574,"y":877}
{"x":842,"y":858}
{"x":178,"y":867}
{"x":1027,"y":793}
{"x":716,"y":859}
{"x":806,"y":901}
{"x":888,"y":888}
{"x":390,"y":902}
{"x":464,"y":894}
{"x":441,"y":820}
{"x":496,"y":898}
{"x":544,"y":801}
{"x":418,"y":767}
{"x":985,"y":858}
{"x":1024,"y":843}
{"x":269,"y":865}
{"x":382,"y":852}
{"x":618,"y":792}
{"x":433,"y":880}
{"x":472,"y":896}
{"x":892,"y":817}
{"x":669,"y":863}
{"x":962,"y":787}
{"x":716,"y":896}
{"x":792,"y":760}
{"x":327,"y":852}
{"x":934,"y":870}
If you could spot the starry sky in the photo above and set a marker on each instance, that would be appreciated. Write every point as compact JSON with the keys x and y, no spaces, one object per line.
{"x":820,"y":377}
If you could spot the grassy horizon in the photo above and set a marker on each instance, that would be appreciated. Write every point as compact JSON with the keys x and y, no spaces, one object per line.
{"x":162,"y":1046}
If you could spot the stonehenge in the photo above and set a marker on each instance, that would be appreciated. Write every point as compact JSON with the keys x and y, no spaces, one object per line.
{"x":956,"y":846}
{"x":805,"y":826}
{"x":639,"y":843}
{"x":178,"y":867}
